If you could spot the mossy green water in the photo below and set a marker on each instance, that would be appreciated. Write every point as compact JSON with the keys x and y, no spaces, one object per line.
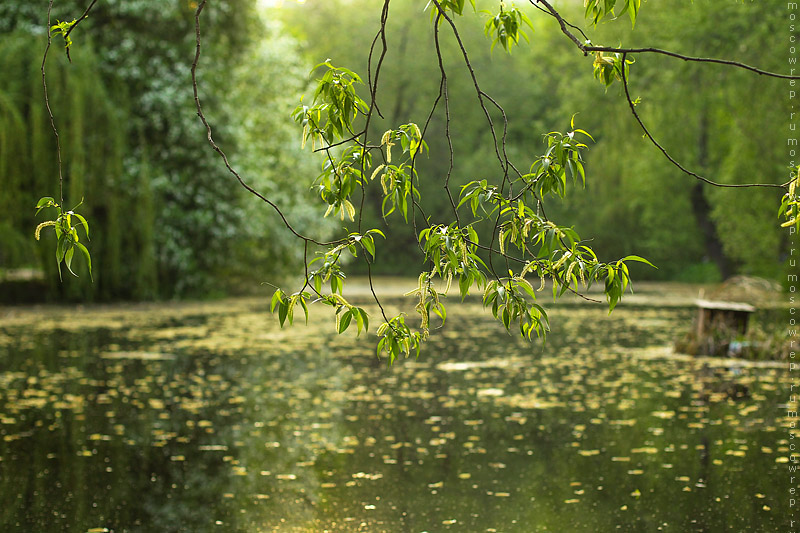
{"x":207,"y":417}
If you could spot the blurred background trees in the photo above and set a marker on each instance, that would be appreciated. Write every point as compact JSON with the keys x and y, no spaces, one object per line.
{"x":723,"y":123}
{"x":167,"y":220}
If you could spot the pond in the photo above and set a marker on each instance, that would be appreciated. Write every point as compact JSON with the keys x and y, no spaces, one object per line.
{"x":208,"y":417}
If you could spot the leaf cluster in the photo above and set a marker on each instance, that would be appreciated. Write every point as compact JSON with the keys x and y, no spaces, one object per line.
{"x":610,"y":67}
{"x":66,"y":234}
{"x":506,"y":27}
{"x":452,"y":252}
{"x":334,"y":108}
{"x":397,"y":339}
{"x":63,"y":29}
{"x":429,"y":300}
{"x":397,"y":181}
{"x":506,"y":297}
{"x":597,"y":10}
{"x":790,"y":203}
{"x":339,"y":179}
{"x":455,"y":7}
{"x":561,"y":160}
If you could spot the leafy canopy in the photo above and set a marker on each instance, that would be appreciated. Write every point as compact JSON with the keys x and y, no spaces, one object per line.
{"x":509,"y":208}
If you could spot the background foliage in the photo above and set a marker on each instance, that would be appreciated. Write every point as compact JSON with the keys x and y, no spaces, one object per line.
{"x":712,"y":118}
{"x":167,"y":220}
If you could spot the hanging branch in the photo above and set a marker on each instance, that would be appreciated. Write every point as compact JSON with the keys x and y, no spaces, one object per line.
{"x":67,"y":238}
{"x":221,"y":153}
{"x":632,"y":106}
{"x":587,"y":47}
{"x":450,"y":250}
{"x":47,"y":105}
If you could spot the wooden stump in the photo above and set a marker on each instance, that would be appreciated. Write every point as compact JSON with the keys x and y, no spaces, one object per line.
{"x":718,"y":323}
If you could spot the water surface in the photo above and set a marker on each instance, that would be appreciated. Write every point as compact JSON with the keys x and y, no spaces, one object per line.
{"x":208,"y":417}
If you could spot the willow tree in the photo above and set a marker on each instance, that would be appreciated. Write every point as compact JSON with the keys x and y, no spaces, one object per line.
{"x":91,"y":160}
{"x":185,"y":230}
{"x":511,"y":204}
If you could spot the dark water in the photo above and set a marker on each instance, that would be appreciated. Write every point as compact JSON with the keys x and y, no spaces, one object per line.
{"x":210,"y":418}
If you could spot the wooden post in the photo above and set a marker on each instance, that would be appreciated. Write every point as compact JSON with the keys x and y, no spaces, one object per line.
{"x":720,"y":317}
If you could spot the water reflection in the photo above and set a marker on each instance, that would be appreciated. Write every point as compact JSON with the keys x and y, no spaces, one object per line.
{"x":184,"y":418}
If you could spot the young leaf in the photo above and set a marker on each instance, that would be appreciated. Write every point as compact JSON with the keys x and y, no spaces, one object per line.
{"x":83,"y":221}
{"x":68,"y":260}
{"x":304,"y":306}
{"x":87,"y":257}
{"x":368,"y":245}
{"x":283,"y":311}
{"x":344,"y":321}
{"x":276,"y":298}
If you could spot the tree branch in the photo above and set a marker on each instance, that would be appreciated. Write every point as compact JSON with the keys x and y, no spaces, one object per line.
{"x":671,"y":159}
{"x":75,"y":25}
{"x":217,"y":149}
{"x":586,"y":47}
{"x":50,"y":111}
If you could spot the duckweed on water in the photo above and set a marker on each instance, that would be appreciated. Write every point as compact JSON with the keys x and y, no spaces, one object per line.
{"x":196,"y":418}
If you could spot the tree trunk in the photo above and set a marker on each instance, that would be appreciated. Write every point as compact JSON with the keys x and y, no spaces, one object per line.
{"x":702,"y":209}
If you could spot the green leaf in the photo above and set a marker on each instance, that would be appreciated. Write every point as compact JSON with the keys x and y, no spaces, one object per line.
{"x":442,"y":312}
{"x":290,"y":311}
{"x":633,"y":10}
{"x":61,"y":247}
{"x":464,"y":283}
{"x":68,"y":260}
{"x":83,"y":221}
{"x":304,"y":306}
{"x":527,"y":288}
{"x":639,"y":260}
{"x":87,"y":256}
{"x":368,"y":245}
{"x":359,"y":320}
{"x":276,"y":298}
{"x":45,"y":201}
{"x":318,"y":284}
{"x":380,"y":347}
{"x":344,"y":322}
{"x":283,"y":311}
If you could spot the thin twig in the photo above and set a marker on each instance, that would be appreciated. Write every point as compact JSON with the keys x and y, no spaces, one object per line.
{"x":671,"y":159}
{"x":75,"y":25}
{"x":373,"y":106}
{"x":446,"y":95}
{"x":480,"y":95}
{"x":561,"y":22}
{"x":473,"y":76}
{"x":217,"y":149}
{"x":339,"y":143}
{"x":373,"y":88}
{"x":50,"y":111}
{"x":566,"y":22}
{"x":587,"y":47}
{"x":374,"y":294}
{"x":730,"y":63}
